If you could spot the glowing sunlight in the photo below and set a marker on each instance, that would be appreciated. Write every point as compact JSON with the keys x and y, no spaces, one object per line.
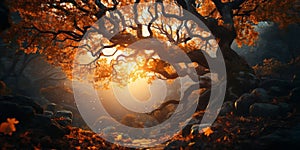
{"x":140,"y":89}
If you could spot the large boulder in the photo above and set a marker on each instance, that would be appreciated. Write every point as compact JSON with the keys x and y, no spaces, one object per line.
{"x":243,"y":82}
{"x":23,"y":101}
{"x":12,"y":110}
{"x":64,"y":114}
{"x":261,"y":95}
{"x":30,"y":116}
{"x":51,"y":107}
{"x":243,"y":103}
{"x":277,"y":91}
{"x":64,"y":117}
{"x":264,"y":110}
{"x":47,"y":126}
{"x":48,"y":113}
{"x":20,"y":107}
{"x":284,"y":85}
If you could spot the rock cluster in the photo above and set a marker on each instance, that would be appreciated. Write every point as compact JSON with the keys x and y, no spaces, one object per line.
{"x":30,"y":115}
{"x":271,"y":98}
{"x":63,"y":117}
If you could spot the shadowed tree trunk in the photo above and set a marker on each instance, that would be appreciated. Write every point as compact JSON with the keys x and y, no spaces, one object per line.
{"x":226,"y":34}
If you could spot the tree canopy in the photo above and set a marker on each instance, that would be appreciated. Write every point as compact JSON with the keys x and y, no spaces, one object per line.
{"x":56,"y":29}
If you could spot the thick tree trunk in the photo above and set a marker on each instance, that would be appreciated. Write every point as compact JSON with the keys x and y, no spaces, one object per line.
{"x":233,"y":62}
{"x":226,"y":33}
{"x":234,"y":65}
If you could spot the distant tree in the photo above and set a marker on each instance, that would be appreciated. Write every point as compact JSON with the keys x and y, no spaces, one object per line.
{"x":26,"y":73}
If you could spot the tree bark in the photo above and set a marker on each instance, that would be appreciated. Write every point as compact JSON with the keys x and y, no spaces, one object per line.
{"x":226,"y":34}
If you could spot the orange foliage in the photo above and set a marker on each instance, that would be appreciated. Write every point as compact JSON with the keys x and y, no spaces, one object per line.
{"x":54,"y":28}
{"x":252,"y":12}
{"x":207,"y":131}
{"x":269,"y":67}
{"x":46,"y":17}
{"x":278,"y":11}
{"x":8,"y":127}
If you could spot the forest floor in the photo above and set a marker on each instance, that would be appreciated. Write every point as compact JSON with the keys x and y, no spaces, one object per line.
{"x":230,"y":131}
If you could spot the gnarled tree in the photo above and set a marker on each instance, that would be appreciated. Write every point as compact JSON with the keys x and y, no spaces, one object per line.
{"x":54,"y":28}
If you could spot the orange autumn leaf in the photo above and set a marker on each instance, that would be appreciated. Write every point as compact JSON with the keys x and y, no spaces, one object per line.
{"x":9,"y":126}
{"x":207,"y":131}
